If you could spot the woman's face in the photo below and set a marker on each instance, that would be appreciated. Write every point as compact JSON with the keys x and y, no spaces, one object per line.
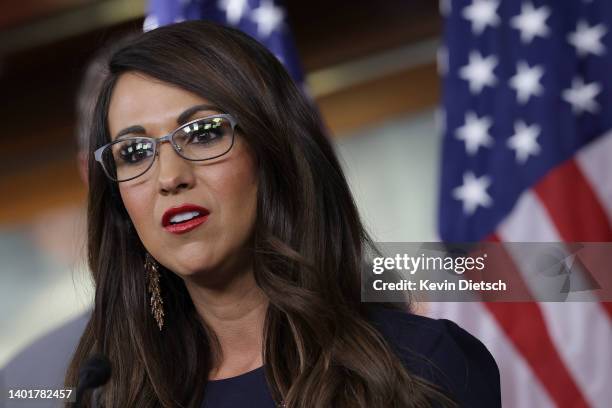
{"x":226,"y":186}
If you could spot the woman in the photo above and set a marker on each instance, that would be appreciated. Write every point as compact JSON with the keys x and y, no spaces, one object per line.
{"x":226,"y":262}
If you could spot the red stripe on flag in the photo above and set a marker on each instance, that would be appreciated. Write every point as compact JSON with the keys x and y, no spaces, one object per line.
{"x":607,"y":306}
{"x":524,"y":325}
{"x":572,"y":205}
{"x":574,"y":208}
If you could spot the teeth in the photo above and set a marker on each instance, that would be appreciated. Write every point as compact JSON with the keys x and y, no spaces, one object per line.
{"x":183,"y":217}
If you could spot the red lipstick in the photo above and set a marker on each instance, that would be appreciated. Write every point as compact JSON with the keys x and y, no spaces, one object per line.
{"x":184,"y":218}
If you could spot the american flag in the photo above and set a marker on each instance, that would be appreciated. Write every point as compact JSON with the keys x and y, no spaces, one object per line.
{"x":264,"y":20}
{"x":527,"y":157}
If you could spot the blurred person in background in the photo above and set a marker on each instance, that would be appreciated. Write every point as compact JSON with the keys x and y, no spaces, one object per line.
{"x":227,"y":263}
{"x":43,"y":363}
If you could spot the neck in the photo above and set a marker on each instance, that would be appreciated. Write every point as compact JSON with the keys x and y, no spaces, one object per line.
{"x":236,"y":314}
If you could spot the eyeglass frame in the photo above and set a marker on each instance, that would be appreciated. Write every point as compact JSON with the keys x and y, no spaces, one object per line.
{"x":167,"y":138}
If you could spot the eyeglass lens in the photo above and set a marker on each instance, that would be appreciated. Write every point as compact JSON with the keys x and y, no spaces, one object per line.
{"x":203,"y":139}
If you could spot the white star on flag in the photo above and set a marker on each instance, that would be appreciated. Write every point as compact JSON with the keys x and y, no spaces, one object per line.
{"x":531,"y":22}
{"x":526,"y":82}
{"x":473,"y":192}
{"x":523,"y":142}
{"x":582,"y":96}
{"x":479,"y":71}
{"x":482,"y":13}
{"x":268,"y":18}
{"x":587,"y":40}
{"x":150,"y":23}
{"x":475,"y":133}
{"x":234,"y":10}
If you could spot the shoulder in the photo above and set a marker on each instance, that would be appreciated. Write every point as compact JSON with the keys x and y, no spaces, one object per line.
{"x":442,"y":353}
{"x":43,"y":363}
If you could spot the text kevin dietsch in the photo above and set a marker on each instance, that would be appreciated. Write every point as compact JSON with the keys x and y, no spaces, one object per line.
{"x":406,"y":265}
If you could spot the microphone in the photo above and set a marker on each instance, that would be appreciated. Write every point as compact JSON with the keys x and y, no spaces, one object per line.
{"x":93,"y":374}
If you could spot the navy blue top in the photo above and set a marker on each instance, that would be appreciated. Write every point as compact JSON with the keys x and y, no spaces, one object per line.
{"x":439,"y":351}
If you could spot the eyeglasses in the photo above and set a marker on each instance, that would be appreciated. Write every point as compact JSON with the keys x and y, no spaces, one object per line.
{"x":201,"y":139}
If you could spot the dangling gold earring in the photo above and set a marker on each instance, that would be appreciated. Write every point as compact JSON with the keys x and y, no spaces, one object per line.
{"x":156,"y":302}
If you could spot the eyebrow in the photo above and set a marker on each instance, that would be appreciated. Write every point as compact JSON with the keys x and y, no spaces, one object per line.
{"x":182,"y":119}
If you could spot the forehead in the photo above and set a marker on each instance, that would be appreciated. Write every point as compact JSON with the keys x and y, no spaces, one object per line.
{"x":138,"y":99}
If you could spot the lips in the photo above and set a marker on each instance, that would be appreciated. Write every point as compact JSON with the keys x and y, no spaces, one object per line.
{"x":184,"y":218}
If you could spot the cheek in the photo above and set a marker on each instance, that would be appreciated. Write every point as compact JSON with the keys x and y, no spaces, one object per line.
{"x":236,"y":191}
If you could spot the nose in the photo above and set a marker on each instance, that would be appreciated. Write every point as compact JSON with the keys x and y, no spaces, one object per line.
{"x":175,"y":173}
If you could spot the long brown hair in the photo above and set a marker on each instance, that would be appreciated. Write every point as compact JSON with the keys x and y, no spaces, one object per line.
{"x":308,"y":245}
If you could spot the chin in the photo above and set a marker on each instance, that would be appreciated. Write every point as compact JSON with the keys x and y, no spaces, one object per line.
{"x":192,"y":256}
{"x":196,"y":266}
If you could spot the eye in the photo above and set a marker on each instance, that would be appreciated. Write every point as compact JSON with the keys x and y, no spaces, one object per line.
{"x":204,"y":136}
{"x":134,"y":151}
{"x":205,"y":132}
